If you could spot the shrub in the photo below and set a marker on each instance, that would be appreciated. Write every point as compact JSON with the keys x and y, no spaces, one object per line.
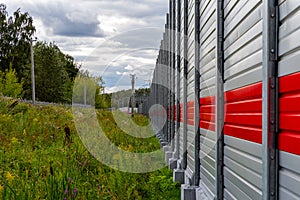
{"x":9,"y":84}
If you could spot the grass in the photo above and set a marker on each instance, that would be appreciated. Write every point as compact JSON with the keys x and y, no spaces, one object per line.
{"x":42,"y":157}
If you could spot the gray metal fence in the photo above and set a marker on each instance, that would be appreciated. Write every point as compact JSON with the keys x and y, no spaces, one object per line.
{"x":227,"y":77}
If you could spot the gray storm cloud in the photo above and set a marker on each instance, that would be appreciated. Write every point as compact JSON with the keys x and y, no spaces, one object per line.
{"x":99,"y":33}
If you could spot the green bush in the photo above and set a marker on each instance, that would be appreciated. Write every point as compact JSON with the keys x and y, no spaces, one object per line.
{"x":9,"y":84}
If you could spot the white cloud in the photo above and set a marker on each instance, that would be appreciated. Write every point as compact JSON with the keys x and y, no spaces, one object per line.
{"x":116,"y":88}
{"x":129,"y":68}
{"x":110,"y":38}
{"x":113,"y":24}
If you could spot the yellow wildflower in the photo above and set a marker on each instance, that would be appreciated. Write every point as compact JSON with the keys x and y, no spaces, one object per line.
{"x":14,"y":140}
{"x":35,"y":120}
{"x":129,"y":148}
{"x":1,"y":188}
{"x":24,"y":132}
{"x":9,"y":177}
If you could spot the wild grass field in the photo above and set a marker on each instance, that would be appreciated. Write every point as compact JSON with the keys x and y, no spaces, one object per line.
{"x":42,"y":157}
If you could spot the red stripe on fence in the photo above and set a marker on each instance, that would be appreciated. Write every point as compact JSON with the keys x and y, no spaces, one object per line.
{"x":191,"y":113}
{"x":289,"y":142}
{"x":208,"y":100}
{"x":254,"y":105}
{"x":253,"y":91}
{"x":243,"y":113}
{"x":207,"y":117}
{"x":181,"y":113}
{"x":289,"y":113}
{"x":290,"y":122}
{"x":289,"y":83}
{"x":245,"y":119}
{"x":207,"y":125}
{"x":207,"y":108}
{"x":244,"y":132}
{"x":289,"y":103}
{"x":207,"y":113}
{"x":175,"y":113}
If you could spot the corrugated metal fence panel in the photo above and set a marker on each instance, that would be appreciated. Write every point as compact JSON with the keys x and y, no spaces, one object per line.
{"x":289,"y":33}
{"x":243,"y":163}
{"x":207,"y":144}
{"x":207,"y":65}
{"x":190,"y":88}
{"x":168,"y":77}
{"x":289,"y":137}
{"x":161,"y":82}
{"x":182,"y":36}
{"x":243,"y":99}
{"x":208,"y":43}
{"x":289,"y":175}
{"x":289,"y":107}
{"x":243,"y":125}
{"x":164,"y":79}
{"x":243,"y":43}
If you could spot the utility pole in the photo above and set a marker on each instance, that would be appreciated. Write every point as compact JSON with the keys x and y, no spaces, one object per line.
{"x":84,"y":90}
{"x":132,"y":76}
{"x":32,"y":71}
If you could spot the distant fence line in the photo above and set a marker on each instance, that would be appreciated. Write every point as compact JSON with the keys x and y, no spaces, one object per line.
{"x":42,"y":103}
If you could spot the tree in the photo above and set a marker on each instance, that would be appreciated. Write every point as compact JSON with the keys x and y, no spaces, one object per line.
{"x":1,"y":83}
{"x":72,"y":69}
{"x":91,"y":86}
{"x":70,"y":66}
{"x":54,"y":70}
{"x":103,"y":101}
{"x":16,"y":32}
{"x":9,"y":85}
{"x":53,"y":83}
{"x":142,"y":92}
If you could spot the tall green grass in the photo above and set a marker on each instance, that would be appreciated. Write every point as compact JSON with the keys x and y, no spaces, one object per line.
{"x":42,"y":157}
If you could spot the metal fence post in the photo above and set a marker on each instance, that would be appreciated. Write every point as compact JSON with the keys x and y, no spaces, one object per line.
{"x":178,"y":77}
{"x":220,"y":101}
{"x":197,"y":93}
{"x":170,"y":72}
{"x":184,"y":162}
{"x":270,"y":99}
{"x":173,"y":73}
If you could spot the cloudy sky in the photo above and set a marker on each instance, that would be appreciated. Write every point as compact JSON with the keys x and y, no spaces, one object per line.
{"x":111,"y":38}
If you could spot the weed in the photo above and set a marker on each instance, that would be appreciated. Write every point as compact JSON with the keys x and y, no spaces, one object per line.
{"x":42,"y":158}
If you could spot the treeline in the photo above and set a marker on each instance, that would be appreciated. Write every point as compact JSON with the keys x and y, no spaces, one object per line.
{"x":89,"y":90}
{"x":55,"y":71}
{"x":58,"y":78}
{"x":123,"y":98}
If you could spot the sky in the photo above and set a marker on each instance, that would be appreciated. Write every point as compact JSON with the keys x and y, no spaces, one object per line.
{"x":110,"y":38}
